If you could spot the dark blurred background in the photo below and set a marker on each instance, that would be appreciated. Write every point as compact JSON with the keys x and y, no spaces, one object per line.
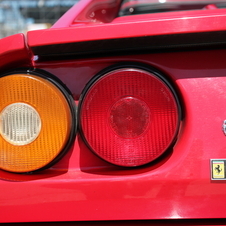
{"x":20,"y":16}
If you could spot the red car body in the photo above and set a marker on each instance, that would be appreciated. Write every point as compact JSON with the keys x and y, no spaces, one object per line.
{"x":188,"y":49}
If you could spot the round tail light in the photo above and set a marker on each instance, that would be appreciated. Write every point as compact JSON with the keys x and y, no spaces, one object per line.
{"x":36,"y":120}
{"x":129,"y":116}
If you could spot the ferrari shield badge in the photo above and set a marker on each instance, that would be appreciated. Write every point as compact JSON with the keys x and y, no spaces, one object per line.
{"x":218,"y":169}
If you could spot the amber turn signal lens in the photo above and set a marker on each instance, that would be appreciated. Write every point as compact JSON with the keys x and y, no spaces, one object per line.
{"x":35,"y":122}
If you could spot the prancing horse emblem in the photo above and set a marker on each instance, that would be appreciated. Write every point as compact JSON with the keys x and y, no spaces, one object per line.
{"x":218,"y":169}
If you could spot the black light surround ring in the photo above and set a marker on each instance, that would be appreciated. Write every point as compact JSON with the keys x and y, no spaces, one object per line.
{"x":129,"y":116}
{"x":37,"y":121}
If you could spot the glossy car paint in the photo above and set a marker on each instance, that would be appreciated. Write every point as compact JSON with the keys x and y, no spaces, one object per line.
{"x":14,"y":53}
{"x":81,"y":186}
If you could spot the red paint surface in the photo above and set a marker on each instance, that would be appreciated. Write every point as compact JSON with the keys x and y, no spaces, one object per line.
{"x":82,"y":187}
{"x":126,"y":27}
{"x":14,"y":52}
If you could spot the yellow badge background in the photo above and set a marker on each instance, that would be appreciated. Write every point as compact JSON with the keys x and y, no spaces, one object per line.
{"x":218,"y":169}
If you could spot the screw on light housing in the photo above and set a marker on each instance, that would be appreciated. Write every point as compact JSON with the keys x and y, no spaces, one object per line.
{"x":224,"y":127}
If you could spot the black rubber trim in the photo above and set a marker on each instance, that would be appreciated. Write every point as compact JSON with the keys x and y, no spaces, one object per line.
{"x":133,"y":45}
{"x":68,"y":96}
{"x":165,"y":222}
{"x":130,"y":65}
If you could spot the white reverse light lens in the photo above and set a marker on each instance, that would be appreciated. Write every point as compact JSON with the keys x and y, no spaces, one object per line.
{"x":20,"y":124}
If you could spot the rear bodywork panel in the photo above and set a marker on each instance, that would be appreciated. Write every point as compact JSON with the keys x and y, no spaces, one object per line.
{"x":188,"y":49}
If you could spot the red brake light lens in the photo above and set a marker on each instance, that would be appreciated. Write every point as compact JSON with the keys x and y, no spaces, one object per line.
{"x":129,"y":117}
